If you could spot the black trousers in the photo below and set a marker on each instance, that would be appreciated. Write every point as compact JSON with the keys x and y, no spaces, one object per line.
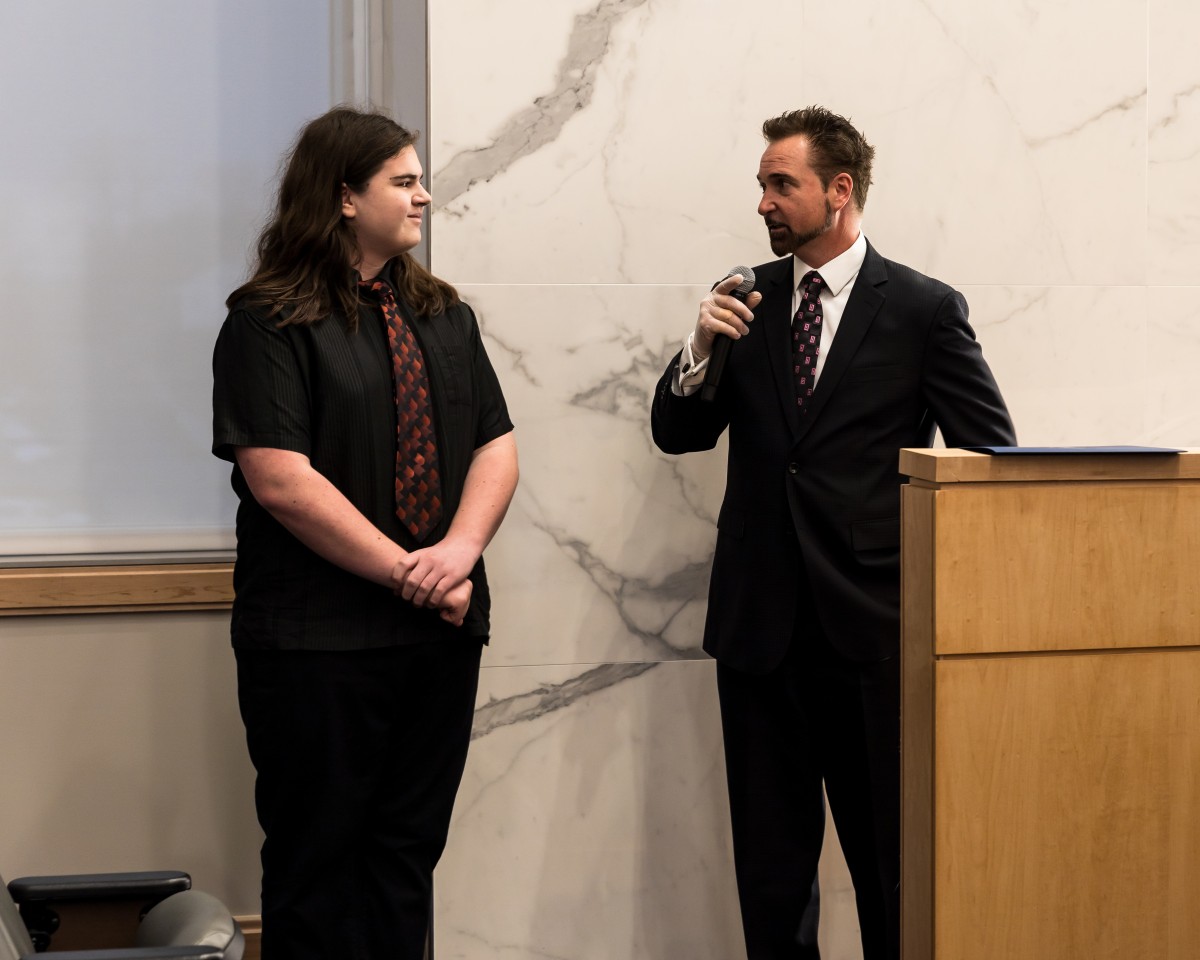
{"x":359,"y":755}
{"x":816,"y":719}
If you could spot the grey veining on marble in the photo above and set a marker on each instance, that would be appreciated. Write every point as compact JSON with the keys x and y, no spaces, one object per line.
{"x":1135,"y":101}
{"x":606,"y":551}
{"x":540,"y":122}
{"x":1174,"y":113}
{"x":646,"y":608}
{"x":594,"y":827}
{"x":546,"y":698}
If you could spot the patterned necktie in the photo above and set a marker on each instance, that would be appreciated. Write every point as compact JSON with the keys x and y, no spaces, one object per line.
{"x":418,"y":485}
{"x":806,"y":336}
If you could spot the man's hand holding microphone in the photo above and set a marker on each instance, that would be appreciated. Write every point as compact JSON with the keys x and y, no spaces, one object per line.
{"x":725,"y":316}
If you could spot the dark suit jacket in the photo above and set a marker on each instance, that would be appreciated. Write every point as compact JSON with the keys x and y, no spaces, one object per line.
{"x":816,"y":495}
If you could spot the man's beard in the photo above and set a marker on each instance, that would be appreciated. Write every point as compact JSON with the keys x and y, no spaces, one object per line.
{"x":790,"y":242}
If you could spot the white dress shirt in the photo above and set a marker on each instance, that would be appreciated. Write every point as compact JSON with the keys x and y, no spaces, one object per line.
{"x":838,"y":275}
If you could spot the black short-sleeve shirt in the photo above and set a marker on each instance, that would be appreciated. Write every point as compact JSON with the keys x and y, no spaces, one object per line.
{"x":326,"y":392}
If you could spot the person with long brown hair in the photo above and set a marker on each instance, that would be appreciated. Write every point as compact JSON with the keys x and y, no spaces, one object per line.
{"x":373,"y":458}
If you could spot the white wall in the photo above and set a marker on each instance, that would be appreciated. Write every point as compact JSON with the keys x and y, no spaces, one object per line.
{"x":140,"y":142}
{"x":123,"y":750}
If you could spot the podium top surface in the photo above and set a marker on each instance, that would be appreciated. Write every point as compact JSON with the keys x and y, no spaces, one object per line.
{"x":965,"y":466}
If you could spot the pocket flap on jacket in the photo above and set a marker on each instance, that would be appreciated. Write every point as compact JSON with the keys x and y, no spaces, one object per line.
{"x":732,"y":522}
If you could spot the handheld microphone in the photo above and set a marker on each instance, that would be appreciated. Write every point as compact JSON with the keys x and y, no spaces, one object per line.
{"x":722,"y":343}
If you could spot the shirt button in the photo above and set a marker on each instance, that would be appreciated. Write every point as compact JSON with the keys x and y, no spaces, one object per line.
{"x":793,"y":468}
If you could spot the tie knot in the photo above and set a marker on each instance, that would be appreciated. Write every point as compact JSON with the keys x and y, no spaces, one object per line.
{"x":812,"y":282}
{"x":378,"y":289}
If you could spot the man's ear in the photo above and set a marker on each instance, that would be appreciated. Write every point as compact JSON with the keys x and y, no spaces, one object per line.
{"x":348,"y":210}
{"x":842,"y":189}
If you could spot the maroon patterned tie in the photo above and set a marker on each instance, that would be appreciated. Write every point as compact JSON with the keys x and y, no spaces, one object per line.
{"x":418,"y":486}
{"x":806,"y":336}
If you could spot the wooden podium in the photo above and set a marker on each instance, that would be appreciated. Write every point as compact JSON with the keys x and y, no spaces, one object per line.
{"x":1051,"y":707}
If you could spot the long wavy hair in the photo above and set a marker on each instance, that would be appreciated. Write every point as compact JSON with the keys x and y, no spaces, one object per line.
{"x":307,"y":251}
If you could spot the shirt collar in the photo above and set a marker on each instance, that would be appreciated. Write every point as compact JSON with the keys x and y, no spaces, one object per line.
{"x":837,"y":272}
{"x":386,"y":275}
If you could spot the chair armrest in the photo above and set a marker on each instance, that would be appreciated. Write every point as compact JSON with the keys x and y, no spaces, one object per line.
{"x":64,"y":911}
{"x":148,"y":885}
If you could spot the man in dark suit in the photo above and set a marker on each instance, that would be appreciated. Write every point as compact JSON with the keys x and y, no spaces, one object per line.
{"x":839,"y":358}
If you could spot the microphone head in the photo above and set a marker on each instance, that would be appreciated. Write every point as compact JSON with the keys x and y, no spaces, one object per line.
{"x":747,"y":283}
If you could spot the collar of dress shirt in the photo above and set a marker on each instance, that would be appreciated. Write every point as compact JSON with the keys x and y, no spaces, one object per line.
{"x":839,"y":271}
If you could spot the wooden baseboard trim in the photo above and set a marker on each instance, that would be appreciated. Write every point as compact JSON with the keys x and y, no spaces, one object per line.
{"x":252,"y":931}
{"x":143,"y":588}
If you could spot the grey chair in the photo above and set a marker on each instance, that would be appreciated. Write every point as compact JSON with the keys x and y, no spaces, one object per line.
{"x":134,"y":916}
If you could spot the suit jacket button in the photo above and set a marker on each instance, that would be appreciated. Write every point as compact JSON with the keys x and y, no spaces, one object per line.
{"x":793,"y":468}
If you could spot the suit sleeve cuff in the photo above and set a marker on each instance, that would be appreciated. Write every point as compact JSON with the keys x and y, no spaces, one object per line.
{"x":689,"y":374}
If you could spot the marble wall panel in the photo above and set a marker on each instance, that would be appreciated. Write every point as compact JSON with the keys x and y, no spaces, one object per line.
{"x":1010,"y":137}
{"x":592,"y":823}
{"x":593,"y":164}
{"x":1174,"y":147}
{"x":605,"y":553}
{"x":591,"y":820}
{"x":1011,"y":142}
{"x":1071,"y":361}
{"x":633,"y":163}
{"x":1173,"y":359}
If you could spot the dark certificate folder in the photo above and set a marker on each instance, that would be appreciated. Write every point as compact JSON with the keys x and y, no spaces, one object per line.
{"x":1014,"y":451}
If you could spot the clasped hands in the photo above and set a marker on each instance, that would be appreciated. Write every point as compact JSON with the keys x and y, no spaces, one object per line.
{"x":722,"y":314}
{"x":437,"y":577}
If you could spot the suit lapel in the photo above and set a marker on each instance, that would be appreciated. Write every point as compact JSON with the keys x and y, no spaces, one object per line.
{"x":861,"y":309}
{"x":775,"y":315}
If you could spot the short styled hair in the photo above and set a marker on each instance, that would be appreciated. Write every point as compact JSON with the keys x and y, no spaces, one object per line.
{"x":834,"y":145}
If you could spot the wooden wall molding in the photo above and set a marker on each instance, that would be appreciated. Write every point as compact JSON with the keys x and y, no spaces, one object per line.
{"x":141,"y":588}
{"x":252,"y":931}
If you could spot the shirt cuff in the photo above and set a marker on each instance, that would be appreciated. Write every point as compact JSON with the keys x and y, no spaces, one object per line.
{"x":689,"y":375}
